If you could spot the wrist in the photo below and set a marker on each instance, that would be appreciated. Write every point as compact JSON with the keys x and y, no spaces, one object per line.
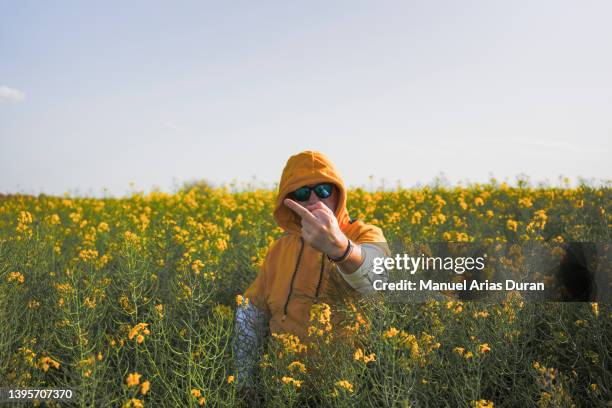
{"x":345,"y":254}
{"x":339,"y":248}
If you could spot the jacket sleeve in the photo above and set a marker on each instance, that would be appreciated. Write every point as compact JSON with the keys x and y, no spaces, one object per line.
{"x":363,"y":278}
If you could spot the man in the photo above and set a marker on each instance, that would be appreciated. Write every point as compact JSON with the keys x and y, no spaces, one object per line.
{"x":321,"y":244}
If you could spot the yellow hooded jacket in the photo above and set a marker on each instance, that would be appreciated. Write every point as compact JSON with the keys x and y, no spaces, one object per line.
{"x":294,"y":275}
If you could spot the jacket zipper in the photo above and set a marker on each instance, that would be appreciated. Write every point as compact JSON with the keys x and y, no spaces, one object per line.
{"x":297,"y":264}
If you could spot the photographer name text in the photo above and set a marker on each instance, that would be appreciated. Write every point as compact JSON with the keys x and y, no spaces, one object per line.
{"x":429,"y":284}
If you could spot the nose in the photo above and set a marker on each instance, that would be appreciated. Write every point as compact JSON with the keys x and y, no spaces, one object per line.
{"x":313,"y":199}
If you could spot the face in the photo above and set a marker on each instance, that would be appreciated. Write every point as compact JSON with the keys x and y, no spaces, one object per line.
{"x":331,"y":202}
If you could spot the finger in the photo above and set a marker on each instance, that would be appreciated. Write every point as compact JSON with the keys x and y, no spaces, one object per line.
{"x":319,"y":206}
{"x":301,"y":211}
{"x":316,"y":205}
{"x":325,"y":218}
{"x":322,"y":214}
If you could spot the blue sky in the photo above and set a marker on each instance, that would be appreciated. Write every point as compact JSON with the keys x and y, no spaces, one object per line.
{"x":101,"y":95}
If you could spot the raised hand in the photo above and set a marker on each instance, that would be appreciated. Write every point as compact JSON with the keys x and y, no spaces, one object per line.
{"x":320,"y":228}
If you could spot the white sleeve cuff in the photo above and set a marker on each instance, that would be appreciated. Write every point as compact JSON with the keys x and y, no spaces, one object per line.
{"x":363,"y":278}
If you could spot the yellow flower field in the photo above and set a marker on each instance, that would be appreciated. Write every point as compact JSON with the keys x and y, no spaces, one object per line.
{"x":131,"y":301}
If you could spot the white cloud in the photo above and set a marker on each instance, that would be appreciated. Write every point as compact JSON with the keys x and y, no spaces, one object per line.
{"x":11,"y":94}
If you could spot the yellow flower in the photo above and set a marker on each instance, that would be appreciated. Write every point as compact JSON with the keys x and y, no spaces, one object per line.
{"x":478,"y":201}
{"x":463,"y":237}
{"x":197,"y":266}
{"x":46,"y":362}
{"x":133,"y":402}
{"x":297,"y":365}
{"x":87,"y":361}
{"x":130,"y":237}
{"x":390,"y":333}
{"x":137,"y":330}
{"x":482,"y":404}
{"x":25,"y":217}
{"x":512,"y":225}
{"x":484,"y":348}
{"x":230,"y":379}
{"x":290,"y":380}
{"x":290,"y":342}
{"x":88,"y":254}
{"x":360,"y":355}
{"x":320,"y":312}
{"x":23,"y":227}
{"x":369,"y":357}
{"x":240,"y":300}
{"x":538,"y":222}
{"x":90,"y":303}
{"x":345,"y":384}
{"x":437,"y":219}
{"x":201,"y":401}
{"x":196,"y":393}
{"x":439,"y":200}
{"x":459,"y":350}
{"x":525,"y":202}
{"x":133,"y":379}
{"x":469,"y":355}
{"x":145,"y":387}
{"x":409,"y":341}
{"x":16,"y":276}
{"x":320,"y":316}
{"x":221,"y":244}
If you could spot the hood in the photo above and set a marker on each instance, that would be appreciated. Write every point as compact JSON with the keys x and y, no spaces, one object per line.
{"x":308,"y":167}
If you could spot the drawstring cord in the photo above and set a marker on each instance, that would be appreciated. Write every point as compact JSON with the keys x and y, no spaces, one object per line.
{"x":320,"y":278}
{"x":297,"y":264}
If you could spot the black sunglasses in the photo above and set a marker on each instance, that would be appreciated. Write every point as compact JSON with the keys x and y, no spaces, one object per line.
{"x":322,"y":190}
